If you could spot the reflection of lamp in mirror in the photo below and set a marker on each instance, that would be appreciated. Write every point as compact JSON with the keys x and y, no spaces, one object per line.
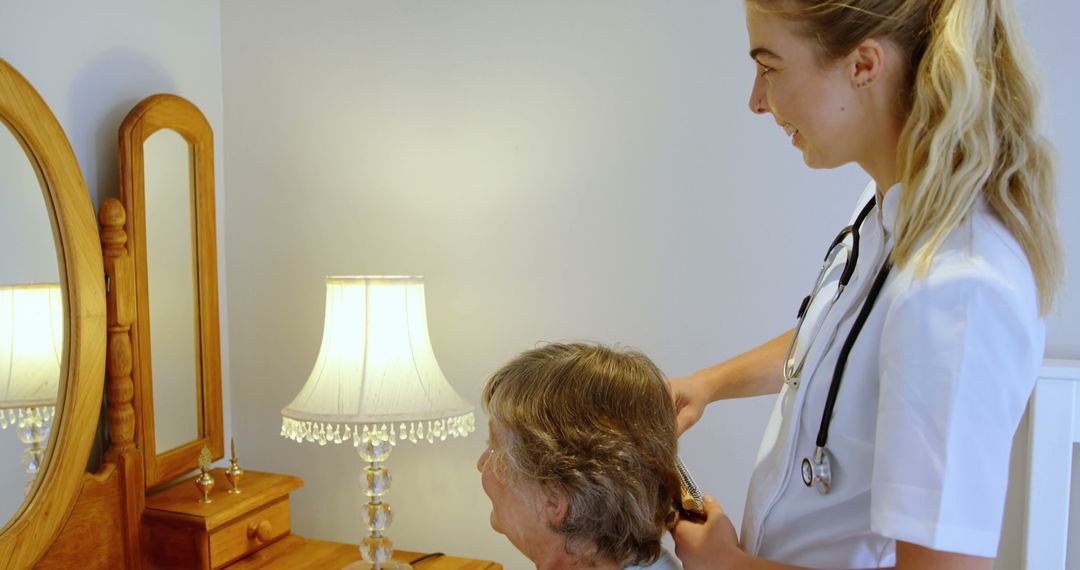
{"x":375,"y":382}
{"x":31,"y":348}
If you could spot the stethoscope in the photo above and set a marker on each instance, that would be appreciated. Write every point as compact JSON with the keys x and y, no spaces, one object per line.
{"x":816,"y":469}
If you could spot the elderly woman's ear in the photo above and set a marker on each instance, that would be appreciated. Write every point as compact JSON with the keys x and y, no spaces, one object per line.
{"x":554,"y":509}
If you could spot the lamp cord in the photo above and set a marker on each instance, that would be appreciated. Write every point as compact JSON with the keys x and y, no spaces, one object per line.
{"x":426,"y":557}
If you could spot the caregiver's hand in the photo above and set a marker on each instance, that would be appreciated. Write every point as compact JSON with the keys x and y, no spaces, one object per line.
{"x":712,"y":544}
{"x":690,"y":395}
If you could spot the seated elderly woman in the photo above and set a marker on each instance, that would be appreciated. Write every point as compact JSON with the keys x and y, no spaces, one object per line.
{"x":580,"y":463}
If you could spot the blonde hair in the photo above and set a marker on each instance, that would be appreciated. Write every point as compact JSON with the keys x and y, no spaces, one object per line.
{"x":972,"y":101}
{"x":596,"y":426}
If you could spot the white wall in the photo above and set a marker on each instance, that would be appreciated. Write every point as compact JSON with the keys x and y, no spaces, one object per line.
{"x":557,"y":170}
{"x":93,"y":61}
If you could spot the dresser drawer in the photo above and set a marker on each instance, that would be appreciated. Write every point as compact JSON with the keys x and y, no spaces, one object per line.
{"x":249,"y":533}
{"x":181,"y":533}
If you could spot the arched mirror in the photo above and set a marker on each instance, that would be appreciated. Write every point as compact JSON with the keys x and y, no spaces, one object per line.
{"x":170,"y":265}
{"x":167,"y":187}
{"x":52,"y":323}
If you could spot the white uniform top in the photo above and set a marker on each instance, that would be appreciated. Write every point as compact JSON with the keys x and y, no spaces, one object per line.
{"x":922,"y":428}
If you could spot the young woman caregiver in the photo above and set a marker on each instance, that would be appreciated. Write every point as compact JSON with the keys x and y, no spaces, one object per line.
{"x":902,"y":385}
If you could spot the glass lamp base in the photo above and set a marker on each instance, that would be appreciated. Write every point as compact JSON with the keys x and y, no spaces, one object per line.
{"x":391,"y":565}
{"x":377,"y":513}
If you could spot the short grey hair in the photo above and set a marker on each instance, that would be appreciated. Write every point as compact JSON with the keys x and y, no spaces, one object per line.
{"x":597,"y":426}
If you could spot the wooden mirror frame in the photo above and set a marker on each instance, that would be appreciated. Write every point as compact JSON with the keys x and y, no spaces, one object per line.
{"x":38,"y":522}
{"x":148,"y":117}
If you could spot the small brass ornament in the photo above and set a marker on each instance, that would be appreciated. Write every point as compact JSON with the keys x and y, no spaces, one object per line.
{"x":205,"y":482}
{"x":234,"y":472}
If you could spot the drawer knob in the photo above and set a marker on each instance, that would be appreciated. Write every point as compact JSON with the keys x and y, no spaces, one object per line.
{"x":263,"y":531}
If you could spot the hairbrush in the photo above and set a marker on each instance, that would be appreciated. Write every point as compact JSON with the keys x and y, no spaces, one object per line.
{"x":690,"y":504}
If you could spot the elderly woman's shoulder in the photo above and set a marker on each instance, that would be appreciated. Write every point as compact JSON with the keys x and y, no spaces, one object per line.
{"x":667,"y":561}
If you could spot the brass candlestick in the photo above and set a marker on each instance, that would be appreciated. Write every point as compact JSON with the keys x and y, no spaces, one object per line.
{"x":205,"y":482}
{"x":234,"y":472}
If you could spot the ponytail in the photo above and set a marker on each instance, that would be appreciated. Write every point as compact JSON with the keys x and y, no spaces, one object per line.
{"x":970,"y":132}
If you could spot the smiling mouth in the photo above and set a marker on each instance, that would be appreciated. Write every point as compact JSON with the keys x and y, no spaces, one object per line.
{"x":791,"y":131}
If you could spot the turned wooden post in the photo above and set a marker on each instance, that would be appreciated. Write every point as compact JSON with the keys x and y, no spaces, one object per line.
{"x":121,"y":311}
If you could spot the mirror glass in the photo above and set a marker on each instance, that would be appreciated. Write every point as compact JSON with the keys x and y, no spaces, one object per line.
{"x":171,"y":288}
{"x":31,"y":325}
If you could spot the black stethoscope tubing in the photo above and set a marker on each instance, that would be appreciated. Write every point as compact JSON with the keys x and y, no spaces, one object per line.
{"x":818,"y":472}
{"x":845,"y":350}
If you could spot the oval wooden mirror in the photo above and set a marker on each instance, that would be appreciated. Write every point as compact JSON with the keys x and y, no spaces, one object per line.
{"x":31,"y":326}
{"x":81,"y":283}
{"x":167,"y":188}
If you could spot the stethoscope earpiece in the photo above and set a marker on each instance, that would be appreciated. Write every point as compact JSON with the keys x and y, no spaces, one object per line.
{"x":817,"y":472}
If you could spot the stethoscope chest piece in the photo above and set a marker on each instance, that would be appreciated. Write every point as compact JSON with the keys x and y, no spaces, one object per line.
{"x":816,"y":471}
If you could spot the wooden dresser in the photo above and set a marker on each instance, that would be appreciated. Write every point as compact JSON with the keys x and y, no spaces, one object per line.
{"x":251,"y":529}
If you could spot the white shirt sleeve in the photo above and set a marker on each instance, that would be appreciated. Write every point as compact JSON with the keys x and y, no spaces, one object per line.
{"x":960,"y":351}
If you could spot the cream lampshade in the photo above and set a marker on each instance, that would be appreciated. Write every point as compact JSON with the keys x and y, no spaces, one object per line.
{"x":31,"y":353}
{"x":376,"y":382}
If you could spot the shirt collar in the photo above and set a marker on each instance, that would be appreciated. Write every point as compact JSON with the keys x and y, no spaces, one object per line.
{"x":888,"y":208}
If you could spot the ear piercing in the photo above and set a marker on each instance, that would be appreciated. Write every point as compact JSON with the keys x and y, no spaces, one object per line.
{"x":863,"y":83}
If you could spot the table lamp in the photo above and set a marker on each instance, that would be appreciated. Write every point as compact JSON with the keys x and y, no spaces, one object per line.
{"x":376,"y":382}
{"x":31,"y":351}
